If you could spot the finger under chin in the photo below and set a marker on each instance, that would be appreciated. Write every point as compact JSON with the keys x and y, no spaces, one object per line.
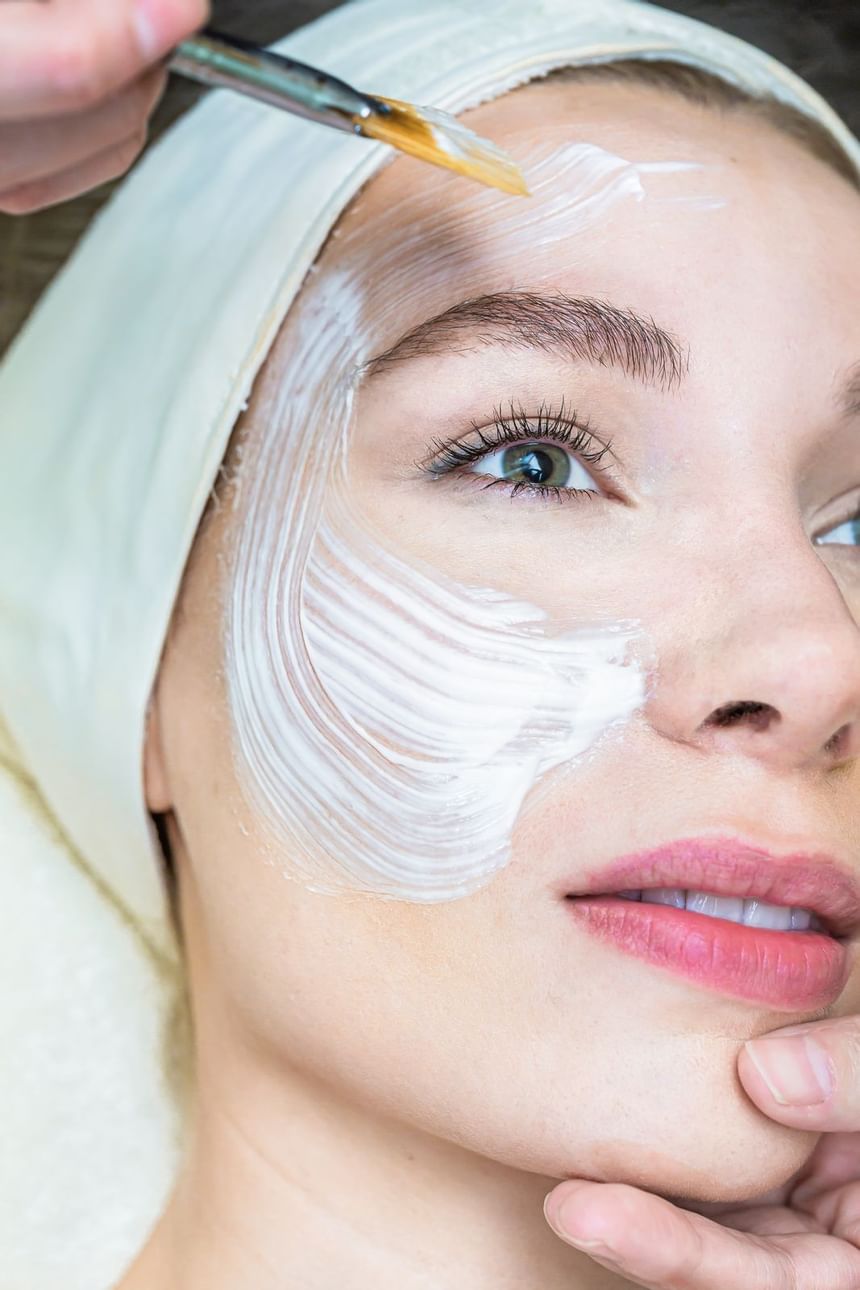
{"x":654,"y":1244}
{"x":834,"y":1164}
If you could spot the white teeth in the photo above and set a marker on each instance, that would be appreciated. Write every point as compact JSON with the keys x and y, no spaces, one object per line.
{"x":759,"y":914}
{"x":665,"y":896}
{"x":754,"y":913}
{"x":728,"y":907}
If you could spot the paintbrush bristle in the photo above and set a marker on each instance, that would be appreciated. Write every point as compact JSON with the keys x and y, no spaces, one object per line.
{"x":435,"y":136}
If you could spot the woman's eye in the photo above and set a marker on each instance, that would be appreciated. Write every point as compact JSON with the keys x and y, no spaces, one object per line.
{"x":540,"y":465}
{"x":845,"y":534}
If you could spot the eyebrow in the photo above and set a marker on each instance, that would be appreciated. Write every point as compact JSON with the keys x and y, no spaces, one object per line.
{"x":578,"y":328}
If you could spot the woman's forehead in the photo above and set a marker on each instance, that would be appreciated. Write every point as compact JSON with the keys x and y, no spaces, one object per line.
{"x":592,"y":224}
{"x":635,"y":121}
{"x":637,"y":197}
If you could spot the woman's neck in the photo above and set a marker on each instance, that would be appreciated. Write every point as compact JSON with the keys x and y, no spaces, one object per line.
{"x":288,"y":1185}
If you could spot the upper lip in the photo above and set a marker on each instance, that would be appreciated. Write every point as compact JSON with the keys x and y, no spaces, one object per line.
{"x":812,"y":881}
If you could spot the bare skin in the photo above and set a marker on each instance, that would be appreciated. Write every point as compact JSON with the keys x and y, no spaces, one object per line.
{"x":79,"y":80}
{"x":386,"y":1092}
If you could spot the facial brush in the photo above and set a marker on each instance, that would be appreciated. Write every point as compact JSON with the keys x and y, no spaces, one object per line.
{"x":225,"y":61}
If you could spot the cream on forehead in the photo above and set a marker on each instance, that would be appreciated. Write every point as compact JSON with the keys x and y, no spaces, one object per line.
{"x":575,"y":187}
{"x":451,"y":236}
{"x":389,"y":723}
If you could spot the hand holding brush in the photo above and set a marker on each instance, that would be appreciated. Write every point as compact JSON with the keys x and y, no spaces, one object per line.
{"x":79,"y":80}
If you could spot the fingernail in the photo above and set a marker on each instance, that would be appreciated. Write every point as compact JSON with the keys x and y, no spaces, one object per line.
{"x":796,"y":1069}
{"x":562,"y":1219}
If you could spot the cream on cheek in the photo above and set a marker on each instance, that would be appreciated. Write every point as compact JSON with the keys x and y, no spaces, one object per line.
{"x":388,"y":722}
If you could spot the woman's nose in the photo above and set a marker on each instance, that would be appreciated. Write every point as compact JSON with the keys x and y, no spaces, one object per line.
{"x":768,"y":668}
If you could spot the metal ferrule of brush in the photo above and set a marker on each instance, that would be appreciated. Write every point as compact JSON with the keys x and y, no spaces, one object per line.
{"x":230,"y":63}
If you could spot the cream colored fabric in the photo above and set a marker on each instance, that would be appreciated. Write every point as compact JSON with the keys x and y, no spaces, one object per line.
{"x":116,"y":405}
{"x":90,"y":1129}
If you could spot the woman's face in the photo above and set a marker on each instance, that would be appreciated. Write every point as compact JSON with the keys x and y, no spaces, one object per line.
{"x":645,"y":420}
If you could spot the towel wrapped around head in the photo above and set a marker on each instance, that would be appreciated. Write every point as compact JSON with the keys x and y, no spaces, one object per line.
{"x":116,"y":405}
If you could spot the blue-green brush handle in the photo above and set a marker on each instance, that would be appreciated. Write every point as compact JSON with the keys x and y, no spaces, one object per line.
{"x":226,"y":61}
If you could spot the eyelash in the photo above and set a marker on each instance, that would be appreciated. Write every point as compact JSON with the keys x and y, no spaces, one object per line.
{"x":516,"y":426}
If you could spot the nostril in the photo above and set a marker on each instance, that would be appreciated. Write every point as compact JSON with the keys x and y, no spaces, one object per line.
{"x":747,"y":712}
{"x":837,"y":744}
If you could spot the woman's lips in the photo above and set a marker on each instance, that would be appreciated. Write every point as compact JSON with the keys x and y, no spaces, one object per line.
{"x":786,"y":970}
{"x":792,"y":971}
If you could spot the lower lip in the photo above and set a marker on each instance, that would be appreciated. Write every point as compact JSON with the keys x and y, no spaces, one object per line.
{"x":791,"y":971}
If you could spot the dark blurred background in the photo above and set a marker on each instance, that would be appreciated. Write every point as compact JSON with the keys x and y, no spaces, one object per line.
{"x":821,"y":41}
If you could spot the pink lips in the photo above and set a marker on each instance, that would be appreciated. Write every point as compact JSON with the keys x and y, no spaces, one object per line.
{"x":789,"y":971}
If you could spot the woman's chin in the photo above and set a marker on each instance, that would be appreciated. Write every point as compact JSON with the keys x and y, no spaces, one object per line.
{"x":704,"y":1166}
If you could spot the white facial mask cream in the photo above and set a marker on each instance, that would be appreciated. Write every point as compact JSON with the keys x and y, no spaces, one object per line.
{"x":389,"y":723}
